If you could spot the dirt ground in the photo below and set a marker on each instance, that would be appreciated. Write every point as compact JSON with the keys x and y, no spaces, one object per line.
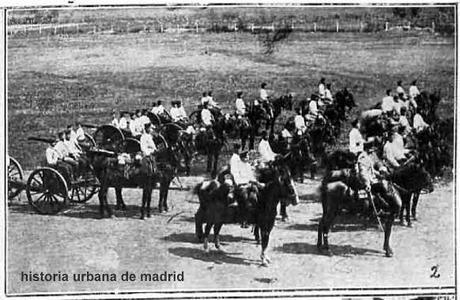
{"x":77,"y":241}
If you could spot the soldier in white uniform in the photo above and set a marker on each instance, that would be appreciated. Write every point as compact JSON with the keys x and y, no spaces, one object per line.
{"x":388,"y":103}
{"x":299,"y":122}
{"x":356,"y":140}
{"x":245,"y":181}
{"x":240,"y":105}
{"x":206,"y":116}
{"x":148,"y":146}
{"x":322,"y":88}
{"x":265,"y":150}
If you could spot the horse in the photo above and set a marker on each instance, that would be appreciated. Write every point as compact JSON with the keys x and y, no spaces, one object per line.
{"x":209,"y":142}
{"x":259,"y":116}
{"x":334,"y":193}
{"x":410,"y":180}
{"x":239,"y":127}
{"x":340,"y":159}
{"x":181,"y":141}
{"x":343,"y":100}
{"x":214,"y":211}
{"x":280,"y":103}
{"x":300,"y":156}
{"x":427,"y":105}
{"x":374,"y":123}
{"x":143,"y":174}
{"x":336,"y":111}
{"x":320,"y":133}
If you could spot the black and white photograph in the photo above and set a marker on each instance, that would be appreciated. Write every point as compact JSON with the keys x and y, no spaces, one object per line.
{"x":189,"y":150}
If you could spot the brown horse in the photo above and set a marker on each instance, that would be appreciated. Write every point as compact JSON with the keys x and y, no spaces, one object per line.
{"x":144,"y":174}
{"x":333,"y":194}
{"x":214,"y":211}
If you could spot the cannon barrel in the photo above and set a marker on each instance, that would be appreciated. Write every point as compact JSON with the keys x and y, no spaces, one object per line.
{"x":41,"y":139}
{"x":89,"y":125}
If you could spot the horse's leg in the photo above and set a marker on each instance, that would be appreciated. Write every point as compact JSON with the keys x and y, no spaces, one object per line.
{"x":217,"y":228}
{"x":319,"y":242}
{"x":207,"y":229}
{"x":283,"y":213}
{"x":265,"y":232}
{"x":408,"y":210}
{"x":149,"y":198}
{"x":257,"y":234}
{"x":327,"y":224}
{"x":102,"y":195}
{"x":199,"y":216}
{"x":120,"y":202}
{"x":395,"y":207}
{"x":414,"y":205}
{"x":144,"y":202}
{"x":386,"y":243}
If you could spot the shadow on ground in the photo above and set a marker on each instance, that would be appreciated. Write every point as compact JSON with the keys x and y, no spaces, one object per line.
{"x":214,"y":256}
{"x":337,"y":250}
{"x":188,"y":237}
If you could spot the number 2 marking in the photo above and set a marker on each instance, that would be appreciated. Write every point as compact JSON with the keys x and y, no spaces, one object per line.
{"x":435,"y":273}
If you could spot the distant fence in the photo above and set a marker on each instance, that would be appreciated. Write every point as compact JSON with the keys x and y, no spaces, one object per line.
{"x":127,"y":27}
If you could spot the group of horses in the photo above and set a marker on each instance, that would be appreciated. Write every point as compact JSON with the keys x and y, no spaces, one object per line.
{"x":182,"y":146}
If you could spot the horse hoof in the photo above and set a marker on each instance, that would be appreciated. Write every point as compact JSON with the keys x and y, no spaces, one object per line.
{"x":142,"y":217}
{"x":264,"y":264}
{"x":389,"y":253}
{"x":166,"y":209}
{"x":409,"y":225}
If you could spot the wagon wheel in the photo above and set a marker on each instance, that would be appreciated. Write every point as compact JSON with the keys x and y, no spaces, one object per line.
{"x":195,"y":117}
{"x":15,"y":175}
{"x":85,"y":187}
{"x":87,"y":143}
{"x":154,"y":118}
{"x":47,"y":191}
{"x":160,"y":141}
{"x":171,"y":132}
{"x":131,"y":146}
{"x":109,"y":137}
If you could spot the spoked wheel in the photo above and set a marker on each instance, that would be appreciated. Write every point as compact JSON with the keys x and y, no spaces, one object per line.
{"x":87,"y":143}
{"x":160,"y":141}
{"x":109,"y":137}
{"x":85,"y":187}
{"x":15,"y":177}
{"x":47,"y":191}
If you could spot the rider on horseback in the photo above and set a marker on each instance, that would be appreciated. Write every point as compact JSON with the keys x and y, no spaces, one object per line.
{"x":245,"y":188}
{"x":265,"y":150}
{"x":371,"y":173}
{"x":240,"y":105}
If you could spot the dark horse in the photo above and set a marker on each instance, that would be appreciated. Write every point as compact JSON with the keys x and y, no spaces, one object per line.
{"x":214,"y":210}
{"x":143,"y":174}
{"x":427,"y":105}
{"x":239,"y":128}
{"x":335,"y":193}
{"x":210,"y":143}
{"x":260,"y":116}
{"x":410,"y":180}
{"x":336,"y":112}
{"x":283,"y":102}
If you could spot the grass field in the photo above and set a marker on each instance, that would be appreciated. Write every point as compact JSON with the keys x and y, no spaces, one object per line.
{"x":47,"y":76}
